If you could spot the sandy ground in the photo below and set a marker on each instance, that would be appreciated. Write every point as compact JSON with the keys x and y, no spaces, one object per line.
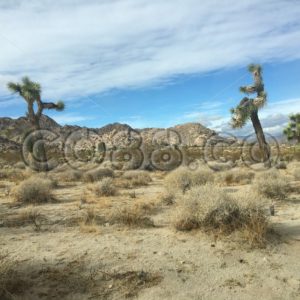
{"x":62,"y":261}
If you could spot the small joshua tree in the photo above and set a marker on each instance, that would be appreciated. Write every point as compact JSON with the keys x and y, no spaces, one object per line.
{"x":292,"y":131}
{"x":31,"y":92}
{"x":248,"y":109}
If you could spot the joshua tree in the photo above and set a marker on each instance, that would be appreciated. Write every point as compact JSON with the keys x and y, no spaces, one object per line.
{"x":31,"y":92}
{"x":292,"y":131}
{"x":248,"y":109}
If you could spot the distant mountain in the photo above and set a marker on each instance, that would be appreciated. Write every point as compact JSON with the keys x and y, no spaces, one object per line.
{"x":12,"y":132}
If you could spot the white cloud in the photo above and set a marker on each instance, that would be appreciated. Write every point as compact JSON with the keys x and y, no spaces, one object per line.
{"x":139,"y":122}
{"x":69,"y":118}
{"x":272,"y":121}
{"x":80,"y":47}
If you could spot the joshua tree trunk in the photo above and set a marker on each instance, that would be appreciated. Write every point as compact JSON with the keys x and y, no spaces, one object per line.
{"x":41,"y":155}
{"x":263,"y":145}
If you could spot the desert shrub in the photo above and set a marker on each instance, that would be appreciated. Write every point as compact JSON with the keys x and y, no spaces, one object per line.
{"x":235,"y":176}
{"x":45,"y":176}
{"x":98,"y":174}
{"x":271,"y":184}
{"x":182,"y":179}
{"x":211,"y":209}
{"x":71,"y":175}
{"x":130,"y":216}
{"x":137,"y":177}
{"x":208,"y":207}
{"x":255,"y":229}
{"x":34,"y":190}
{"x":105,"y":187}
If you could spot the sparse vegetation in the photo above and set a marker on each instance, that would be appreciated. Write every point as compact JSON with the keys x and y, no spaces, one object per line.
{"x":70,"y":175}
{"x":34,"y":190}
{"x":137,"y":177}
{"x":271,"y":184}
{"x":130,"y":216}
{"x":11,"y":174}
{"x":235,"y":176}
{"x":183,"y":179}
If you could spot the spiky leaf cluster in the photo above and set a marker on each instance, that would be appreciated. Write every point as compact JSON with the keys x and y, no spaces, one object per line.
{"x":247,"y":106}
{"x":292,"y":131}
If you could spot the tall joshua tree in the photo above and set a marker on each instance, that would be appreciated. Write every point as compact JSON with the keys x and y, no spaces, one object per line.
{"x":248,"y":109}
{"x":292,"y":131}
{"x":30,"y":91}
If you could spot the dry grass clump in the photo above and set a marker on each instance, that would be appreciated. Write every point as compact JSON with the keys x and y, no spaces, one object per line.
{"x":70,"y":176}
{"x":211,"y":209}
{"x":88,"y":224}
{"x":256,"y":228}
{"x":147,"y":206}
{"x":29,"y":216}
{"x":130,"y":216}
{"x":294,"y":169}
{"x":167,"y":198}
{"x":183,"y":179}
{"x":105,"y":187}
{"x":137,"y":177}
{"x":34,"y":190}
{"x":45,"y":176}
{"x":32,"y":216}
{"x":271,"y":184}
{"x":235,"y":176}
{"x":98,"y":174}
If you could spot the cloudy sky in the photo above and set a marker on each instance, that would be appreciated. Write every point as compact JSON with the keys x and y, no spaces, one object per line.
{"x":151,"y":63}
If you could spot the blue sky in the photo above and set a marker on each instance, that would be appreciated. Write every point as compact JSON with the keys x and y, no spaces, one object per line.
{"x":151,"y":63}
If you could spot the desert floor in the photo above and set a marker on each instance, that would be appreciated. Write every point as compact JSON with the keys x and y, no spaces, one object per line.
{"x":61,"y":257}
